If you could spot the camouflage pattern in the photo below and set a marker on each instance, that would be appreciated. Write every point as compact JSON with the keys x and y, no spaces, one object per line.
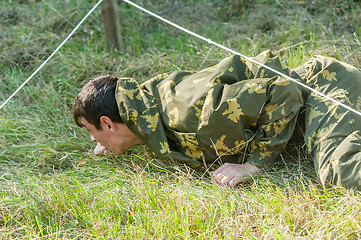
{"x":333,"y":132}
{"x":234,"y":111}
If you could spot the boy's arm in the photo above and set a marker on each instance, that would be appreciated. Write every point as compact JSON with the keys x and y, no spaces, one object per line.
{"x":275,"y":127}
{"x":276,"y":123}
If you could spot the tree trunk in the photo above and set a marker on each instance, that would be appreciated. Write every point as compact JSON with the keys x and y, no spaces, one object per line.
{"x":111,"y":23}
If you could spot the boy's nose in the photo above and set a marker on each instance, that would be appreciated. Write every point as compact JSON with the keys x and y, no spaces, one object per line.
{"x":92,"y":138}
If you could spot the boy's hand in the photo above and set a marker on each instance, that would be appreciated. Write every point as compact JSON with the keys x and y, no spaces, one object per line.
{"x":100,"y":150}
{"x":231,"y":173}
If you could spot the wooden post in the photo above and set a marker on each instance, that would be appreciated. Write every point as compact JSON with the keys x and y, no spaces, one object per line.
{"x":111,"y":23}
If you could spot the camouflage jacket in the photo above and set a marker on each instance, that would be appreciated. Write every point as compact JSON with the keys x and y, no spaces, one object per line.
{"x":234,"y":111}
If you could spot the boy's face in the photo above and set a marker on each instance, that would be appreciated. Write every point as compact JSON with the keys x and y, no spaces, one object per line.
{"x":115,"y":137}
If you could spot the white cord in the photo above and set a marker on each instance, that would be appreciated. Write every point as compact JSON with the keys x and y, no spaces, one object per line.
{"x":237,"y":53}
{"x":47,"y":60}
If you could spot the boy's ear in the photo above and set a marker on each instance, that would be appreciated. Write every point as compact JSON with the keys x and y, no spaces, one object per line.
{"x":107,"y":123}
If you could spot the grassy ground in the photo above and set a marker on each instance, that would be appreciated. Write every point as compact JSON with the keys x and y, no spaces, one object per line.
{"x":52,"y":187}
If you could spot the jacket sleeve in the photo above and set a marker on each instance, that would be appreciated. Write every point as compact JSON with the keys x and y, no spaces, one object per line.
{"x":276,"y":122}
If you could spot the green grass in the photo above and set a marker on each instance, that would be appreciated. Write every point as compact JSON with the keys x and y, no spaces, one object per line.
{"x":53,"y":187}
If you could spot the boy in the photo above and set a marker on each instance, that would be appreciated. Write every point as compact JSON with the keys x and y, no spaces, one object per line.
{"x":235,"y":116}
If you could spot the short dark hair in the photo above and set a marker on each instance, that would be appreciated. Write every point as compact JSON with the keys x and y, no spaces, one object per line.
{"x":96,"y":99}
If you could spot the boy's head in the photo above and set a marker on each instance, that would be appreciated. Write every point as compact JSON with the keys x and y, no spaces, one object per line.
{"x":97,"y":99}
{"x":96,"y":109}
